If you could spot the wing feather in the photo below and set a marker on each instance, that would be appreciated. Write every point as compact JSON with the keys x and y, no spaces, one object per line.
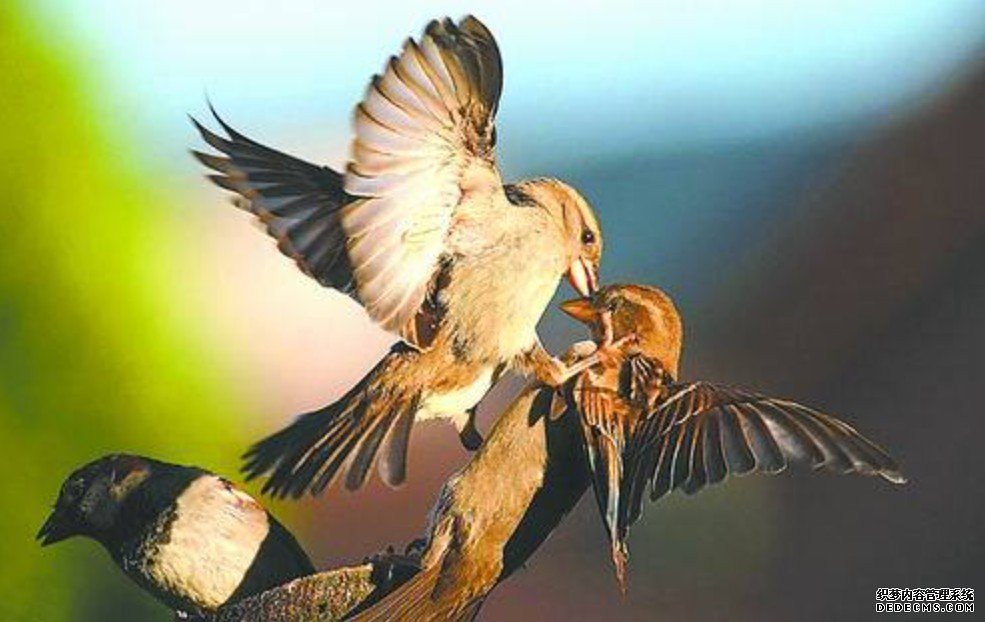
{"x":298,"y":203}
{"x":702,"y":432}
{"x":423,"y":131}
{"x":424,"y":138}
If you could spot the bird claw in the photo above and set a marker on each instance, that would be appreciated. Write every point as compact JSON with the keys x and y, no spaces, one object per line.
{"x":608,"y":352}
{"x":391,"y":568}
{"x":410,"y":556}
{"x":626,"y":341}
{"x":415,"y":548}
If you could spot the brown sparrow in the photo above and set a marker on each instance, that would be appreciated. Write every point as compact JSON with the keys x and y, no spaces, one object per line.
{"x":424,"y":233}
{"x":647,"y":433}
{"x":492,"y":515}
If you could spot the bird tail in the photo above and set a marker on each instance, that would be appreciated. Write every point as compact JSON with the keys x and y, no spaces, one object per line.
{"x":416,"y":600}
{"x":605,"y":460}
{"x":375,"y":417}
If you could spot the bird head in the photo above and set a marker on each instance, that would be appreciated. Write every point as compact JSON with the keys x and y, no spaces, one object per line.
{"x":628,"y":309}
{"x":90,"y":498}
{"x":580,"y":228}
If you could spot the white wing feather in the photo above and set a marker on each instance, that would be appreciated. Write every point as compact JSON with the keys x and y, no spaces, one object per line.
{"x":424,"y":140}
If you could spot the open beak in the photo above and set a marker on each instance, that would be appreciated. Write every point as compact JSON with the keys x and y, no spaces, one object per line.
{"x":583,"y":277}
{"x":581,"y":309}
{"x":54,"y":530}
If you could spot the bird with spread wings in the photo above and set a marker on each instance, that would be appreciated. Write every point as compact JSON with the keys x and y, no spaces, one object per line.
{"x":423,"y":232}
{"x":647,"y":434}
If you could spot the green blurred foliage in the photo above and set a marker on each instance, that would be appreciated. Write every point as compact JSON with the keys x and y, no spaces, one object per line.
{"x":92,"y":357}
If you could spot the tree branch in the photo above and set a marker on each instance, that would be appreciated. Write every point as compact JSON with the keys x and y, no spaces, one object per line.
{"x":326,"y":597}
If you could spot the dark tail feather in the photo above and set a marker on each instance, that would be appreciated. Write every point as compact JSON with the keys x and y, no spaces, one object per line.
{"x":309,"y":454}
{"x":393,"y":433}
{"x":393,"y":462}
{"x":292,"y":457}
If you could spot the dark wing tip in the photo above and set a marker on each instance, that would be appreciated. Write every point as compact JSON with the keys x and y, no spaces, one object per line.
{"x":297,"y":202}
{"x":475,"y":27}
{"x":228,"y":129}
{"x":211,"y":138}
{"x":218,"y":164}
{"x":195,"y":122}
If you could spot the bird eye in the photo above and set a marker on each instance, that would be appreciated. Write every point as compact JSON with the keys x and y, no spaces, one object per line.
{"x":587,"y":237}
{"x":72,"y":489}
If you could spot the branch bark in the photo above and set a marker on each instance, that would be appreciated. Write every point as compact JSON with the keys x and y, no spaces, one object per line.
{"x":325,"y":597}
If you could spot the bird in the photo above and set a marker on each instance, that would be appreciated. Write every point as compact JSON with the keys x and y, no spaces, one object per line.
{"x":188,"y":537}
{"x":624,"y":427}
{"x":493,"y":514}
{"x":423,"y":232}
{"x":646,"y":433}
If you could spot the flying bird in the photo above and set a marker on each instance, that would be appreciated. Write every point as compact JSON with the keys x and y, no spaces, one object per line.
{"x":188,"y":537}
{"x":647,"y":433}
{"x":423,"y":232}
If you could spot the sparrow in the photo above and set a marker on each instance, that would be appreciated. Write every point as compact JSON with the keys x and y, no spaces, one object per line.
{"x":188,"y":537}
{"x":624,"y":424}
{"x":648,"y":433}
{"x":421,"y":230}
{"x":492,"y":515}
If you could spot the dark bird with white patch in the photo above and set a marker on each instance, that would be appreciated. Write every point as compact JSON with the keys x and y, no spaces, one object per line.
{"x":188,"y":537}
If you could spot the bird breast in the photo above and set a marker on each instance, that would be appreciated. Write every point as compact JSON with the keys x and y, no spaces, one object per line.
{"x":204,"y":547}
{"x":506,"y":269}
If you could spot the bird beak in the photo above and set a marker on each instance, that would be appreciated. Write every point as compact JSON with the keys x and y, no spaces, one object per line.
{"x":581,"y":309}
{"x":55,"y":529}
{"x":607,"y":470}
{"x":583,"y":277}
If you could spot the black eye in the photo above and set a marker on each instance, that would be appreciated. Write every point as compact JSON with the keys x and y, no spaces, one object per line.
{"x":72,"y":489}
{"x":587,"y":237}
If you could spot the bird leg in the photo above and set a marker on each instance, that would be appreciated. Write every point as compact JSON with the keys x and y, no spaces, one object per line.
{"x":551,"y":370}
{"x":554,"y":372}
{"x":391,"y":568}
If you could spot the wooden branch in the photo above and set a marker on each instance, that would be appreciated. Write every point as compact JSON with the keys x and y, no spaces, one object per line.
{"x":326,"y":597}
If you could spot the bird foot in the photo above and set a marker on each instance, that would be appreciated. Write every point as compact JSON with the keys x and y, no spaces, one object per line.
{"x":391,"y":568}
{"x":415,"y":548}
{"x":607,"y":353}
{"x":611,"y":352}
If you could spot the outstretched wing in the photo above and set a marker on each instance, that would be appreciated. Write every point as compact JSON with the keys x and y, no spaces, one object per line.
{"x":296,"y":201}
{"x":703,"y":432}
{"x":424,"y":140}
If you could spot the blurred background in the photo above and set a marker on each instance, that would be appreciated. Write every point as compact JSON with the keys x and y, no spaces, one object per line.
{"x":806,"y":179}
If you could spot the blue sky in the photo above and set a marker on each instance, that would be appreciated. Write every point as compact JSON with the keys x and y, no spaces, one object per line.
{"x":655,"y":74}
